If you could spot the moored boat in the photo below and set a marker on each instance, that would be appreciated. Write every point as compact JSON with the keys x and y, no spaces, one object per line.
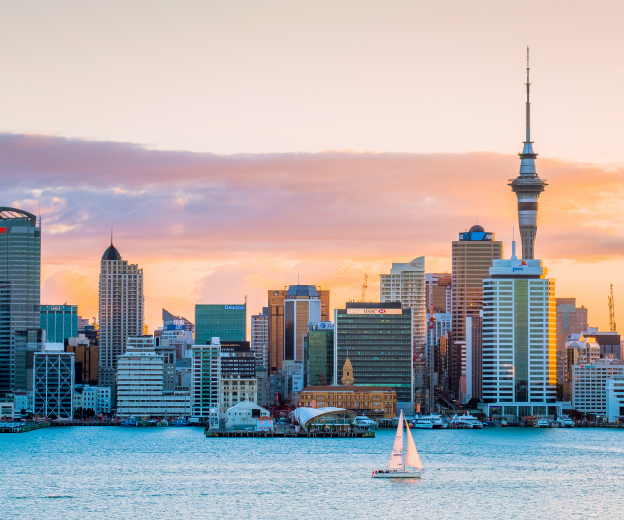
{"x":467,"y":422}
{"x":429,"y":422}
{"x":180,"y":422}
{"x":365,"y":422}
{"x":130,"y":421}
{"x":402,"y":465}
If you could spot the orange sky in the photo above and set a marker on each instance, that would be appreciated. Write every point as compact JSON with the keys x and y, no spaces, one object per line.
{"x":212,"y":229}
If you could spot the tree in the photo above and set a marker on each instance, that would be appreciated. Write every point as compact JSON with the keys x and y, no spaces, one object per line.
{"x":472,"y":404}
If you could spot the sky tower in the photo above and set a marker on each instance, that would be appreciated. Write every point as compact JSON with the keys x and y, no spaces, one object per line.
{"x":527,"y":186}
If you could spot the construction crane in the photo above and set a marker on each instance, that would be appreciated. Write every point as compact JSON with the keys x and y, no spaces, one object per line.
{"x":612,"y":325}
{"x":364,"y":287}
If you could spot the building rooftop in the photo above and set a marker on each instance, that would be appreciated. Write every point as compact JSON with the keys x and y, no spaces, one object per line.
{"x":302,"y":290}
{"x":111,"y":253}
{"x":348,"y":388}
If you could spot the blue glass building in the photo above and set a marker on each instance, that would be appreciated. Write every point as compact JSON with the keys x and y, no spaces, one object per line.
{"x":228,"y":322}
{"x":60,"y":322}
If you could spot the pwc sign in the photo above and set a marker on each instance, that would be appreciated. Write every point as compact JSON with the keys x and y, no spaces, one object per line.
{"x":3,"y":230}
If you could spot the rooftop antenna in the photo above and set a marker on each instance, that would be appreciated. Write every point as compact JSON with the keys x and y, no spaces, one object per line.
{"x":111,"y":235}
{"x":528,"y":103}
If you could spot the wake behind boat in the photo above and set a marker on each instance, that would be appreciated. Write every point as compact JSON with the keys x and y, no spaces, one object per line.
{"x":398,"y":464}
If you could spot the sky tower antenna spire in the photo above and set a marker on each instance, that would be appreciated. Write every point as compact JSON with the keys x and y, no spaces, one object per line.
{"x":528,"y":102}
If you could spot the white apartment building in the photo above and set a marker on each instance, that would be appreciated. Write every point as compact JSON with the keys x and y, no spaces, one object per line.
{"x":589,"y":384}
{"x":235,"y":390}
{"x":206,"y":378}
{"x":96,"y":398}
{"x":519,"y":339}
{"x":121,"y":311}
{"x":141,"y":383}
{"x":260,"y":337}
{"x":615,"y":398}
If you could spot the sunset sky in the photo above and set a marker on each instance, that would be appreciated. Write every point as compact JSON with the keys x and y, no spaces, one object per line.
{"x":236,"y":146}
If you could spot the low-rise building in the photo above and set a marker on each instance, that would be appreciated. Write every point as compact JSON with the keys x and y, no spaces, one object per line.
{"x":244,"y":415}
{"x":264,"y":424}
{"x":96,"y":398}
{"x":235,"y":389}
{"x":589,"y":384}
{"x":7,"y":411}
{"x":615,"y":398}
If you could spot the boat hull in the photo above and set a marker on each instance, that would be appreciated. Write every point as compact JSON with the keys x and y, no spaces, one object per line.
{"x":425,"y":426}
{"x":398,"y":474}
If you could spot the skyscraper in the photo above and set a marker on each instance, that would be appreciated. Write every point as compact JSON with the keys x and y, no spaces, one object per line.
{"x":228,"y":322}
{"x":473,"y":255}
{"x":121,"y":308}
{"x":302,"y":305}
{"x":60,"y":322}
{"x":20,"y":278}
{"x":260,"y":337}
{"x":527,"y":186}
{"x":519,"y":339}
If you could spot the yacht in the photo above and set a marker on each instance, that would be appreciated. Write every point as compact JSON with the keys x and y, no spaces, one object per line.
{"x":466,"y":421}
{"x":564,"y":421}
{"x":131,"y":421}
{"x":542,"y":423}
{"x":365,"y":422}
{"x":429,"y":422}
{"x":402,"y":464}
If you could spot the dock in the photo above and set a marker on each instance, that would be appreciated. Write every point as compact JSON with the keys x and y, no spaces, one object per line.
{"x":21,"y":427}
{"x":304,"y":434}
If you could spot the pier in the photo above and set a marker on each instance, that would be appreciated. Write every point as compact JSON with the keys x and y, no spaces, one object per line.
{"x":19,"y":427}
{"x":273,"y":434}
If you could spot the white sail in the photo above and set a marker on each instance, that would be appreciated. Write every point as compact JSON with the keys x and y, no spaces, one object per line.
{"x":396,"y":458}
{"x":412,"y":459}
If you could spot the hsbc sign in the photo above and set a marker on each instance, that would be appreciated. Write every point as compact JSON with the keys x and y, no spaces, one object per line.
{"x":374,"y":311}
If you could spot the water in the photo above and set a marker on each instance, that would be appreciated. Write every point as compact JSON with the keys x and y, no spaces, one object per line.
{"x":154,"y":473}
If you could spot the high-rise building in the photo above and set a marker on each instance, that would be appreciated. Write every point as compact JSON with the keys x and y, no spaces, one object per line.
{"x":378,"y":339}
{"x":237,"y":359}
{"x":570,"y":320}
{"x":302,"y":305}
{"x":206,"y":378}
{"x":406,"y":284}
{"x":474,"y":358}
{"x":20,"y":280}
{"x":527,"y":186}
{"x":86,"y":360}
{"x":276,"y":301}
{"x":319,"y":365}
{"x":173,"y":322}
{"x":53,"y":384}
{"x":260,"y":337}
{"x":228,"y":322}
{"x":59,"y":322}
{"x":473,"y":255}
{"x":121,"y":309}
{"x":438,"y":292}
{"x":519,"y":339}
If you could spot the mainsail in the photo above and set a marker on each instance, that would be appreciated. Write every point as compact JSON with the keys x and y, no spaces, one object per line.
{"x":396,"y":458}
{"x":412,"y":459}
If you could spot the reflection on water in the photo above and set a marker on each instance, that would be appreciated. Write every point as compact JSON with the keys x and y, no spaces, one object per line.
{"x":153,"y":473}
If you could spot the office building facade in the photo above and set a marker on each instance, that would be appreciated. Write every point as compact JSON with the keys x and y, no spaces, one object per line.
{"x":614,"y":390}
{"x":227,"y":322}
{"x":319,"y":364}
{"x":60,"y":322}
{"x":260,"y":337}
{"x":438,"y":292}
{"x":473,"y":255}
{"x":206,"y":378}
{"x":519,"y":339}
{"x":20,"y":281}
{"x":302,"y":305}
{"x":378,"y":339}
{"x":86,"y":360}
{"x":237,"y":358}
{"x":121,"y":311}
{"x":570,"y":320}
{"x":53,"y":384}
{"x":589,"y":385}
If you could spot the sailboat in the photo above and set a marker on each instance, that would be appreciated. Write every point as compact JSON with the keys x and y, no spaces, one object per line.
{"x":398,"y":466}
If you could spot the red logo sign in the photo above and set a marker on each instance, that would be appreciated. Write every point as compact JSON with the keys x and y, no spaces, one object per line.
{"x":523,"y":263}
{"x":3,"y":230}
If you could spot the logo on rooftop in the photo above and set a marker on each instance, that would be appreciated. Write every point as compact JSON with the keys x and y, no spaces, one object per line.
{"x":3,"y":230}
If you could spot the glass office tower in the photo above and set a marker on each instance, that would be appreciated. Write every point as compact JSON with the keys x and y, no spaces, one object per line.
{"x":228,"y":322}
{"x":60,"y":322}
{"x":20,"y":278}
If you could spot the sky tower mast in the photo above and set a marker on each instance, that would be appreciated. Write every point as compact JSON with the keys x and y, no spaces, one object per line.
{"x":527,"y":186}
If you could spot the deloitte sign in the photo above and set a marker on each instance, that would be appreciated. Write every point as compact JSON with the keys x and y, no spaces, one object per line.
{"x":234,"y":307}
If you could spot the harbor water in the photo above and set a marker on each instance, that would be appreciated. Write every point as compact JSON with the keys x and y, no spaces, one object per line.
{"x":177,"y":473}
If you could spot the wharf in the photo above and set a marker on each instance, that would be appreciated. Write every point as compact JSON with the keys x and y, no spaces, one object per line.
{"x":85,"y":423}
{"x":21,"y":427}
{"x":271,"y":435}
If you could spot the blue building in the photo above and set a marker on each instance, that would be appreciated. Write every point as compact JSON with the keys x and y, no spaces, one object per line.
{"x":228,"y":322}
{"x":60,"y":322}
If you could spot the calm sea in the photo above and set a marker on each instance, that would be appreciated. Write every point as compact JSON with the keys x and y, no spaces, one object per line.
{"x":176,"y":473}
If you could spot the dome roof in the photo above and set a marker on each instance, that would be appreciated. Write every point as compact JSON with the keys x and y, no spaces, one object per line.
{"x":477,"y":229}
{"x":111,"y":254}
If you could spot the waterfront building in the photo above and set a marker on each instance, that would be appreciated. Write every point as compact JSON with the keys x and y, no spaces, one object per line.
{"x":20,"y":281}
{"x":59,"y":322}
{"x":473,"y":255}
{"x":319,"y":364}
{"x":260,"y":337}
{"x":169,"y":355}
{"x":519,"y":339}
{"x":22,"y":401}
{"x":406,"y":284}
{"x":264,"y":386}
{"x":121,"y":311}
{"x":237,"y":358}
{"x":206,"y":378}
{"x":438,"y":292}
{"x":235,"y":390}
{"x":615,"y":398}
{"x":53,"y":384}
{"x":528,"y":186}
{"x":589,"y":385}
{"x":86,"y":359}
{"x":227,"y":322}
{"x":141,"y":384}
{"x":96,"y":398}
{"x":377,"y":338}
{"x":276,"y":303}
{"x":244,"y":415}
{"x":8,"y":411}
{"x":327,"y":419}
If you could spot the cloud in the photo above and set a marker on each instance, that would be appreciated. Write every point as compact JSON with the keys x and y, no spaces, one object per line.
{"x":261,"y":219}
